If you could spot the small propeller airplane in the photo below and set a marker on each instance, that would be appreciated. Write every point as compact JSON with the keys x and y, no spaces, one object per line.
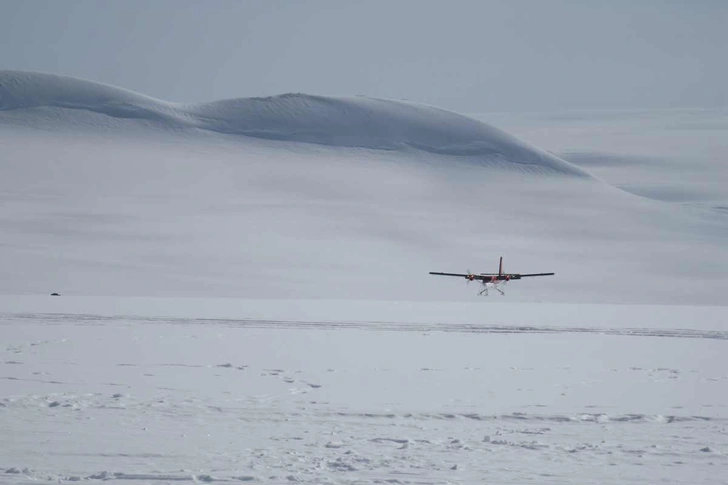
{"x":492,"y":280}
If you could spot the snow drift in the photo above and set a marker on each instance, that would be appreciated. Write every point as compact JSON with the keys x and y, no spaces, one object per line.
{"x":357,"y":122}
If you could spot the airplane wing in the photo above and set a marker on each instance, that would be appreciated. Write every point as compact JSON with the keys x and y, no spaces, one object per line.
{"x":488,"y":276}
{"x":462,"y":275}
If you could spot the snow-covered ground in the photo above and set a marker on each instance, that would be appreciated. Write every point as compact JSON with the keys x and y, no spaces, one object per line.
{"x":245,"y":293}
{"x":141,"y":390}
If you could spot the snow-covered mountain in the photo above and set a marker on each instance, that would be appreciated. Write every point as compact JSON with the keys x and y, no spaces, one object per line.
{"x":106,"y":191}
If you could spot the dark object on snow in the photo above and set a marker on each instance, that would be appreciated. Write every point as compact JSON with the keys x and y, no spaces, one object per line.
{"x":55,"y":294}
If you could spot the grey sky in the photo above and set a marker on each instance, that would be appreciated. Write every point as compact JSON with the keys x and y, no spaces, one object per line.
{"x":469,"y":56}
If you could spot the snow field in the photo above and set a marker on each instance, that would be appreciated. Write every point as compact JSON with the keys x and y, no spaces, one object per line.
{"x":153,"y":398}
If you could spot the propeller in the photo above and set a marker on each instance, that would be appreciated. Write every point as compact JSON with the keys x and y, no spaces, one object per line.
{"x":470,"y":277}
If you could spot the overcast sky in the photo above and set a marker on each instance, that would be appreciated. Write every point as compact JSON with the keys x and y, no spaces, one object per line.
{"x":469,"y":56}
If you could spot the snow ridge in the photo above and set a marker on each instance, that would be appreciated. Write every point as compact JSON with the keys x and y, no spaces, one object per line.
{"x":358,"y":122}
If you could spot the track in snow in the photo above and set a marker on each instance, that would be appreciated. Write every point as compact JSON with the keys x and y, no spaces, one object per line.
{"x":57,"y":318}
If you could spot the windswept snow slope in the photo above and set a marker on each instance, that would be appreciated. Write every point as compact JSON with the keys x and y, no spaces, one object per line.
{"x":343,"y":122}
{"x":108,"y":192}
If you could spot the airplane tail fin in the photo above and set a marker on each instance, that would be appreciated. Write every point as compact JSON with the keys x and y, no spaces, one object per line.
{"x":500,"y":267}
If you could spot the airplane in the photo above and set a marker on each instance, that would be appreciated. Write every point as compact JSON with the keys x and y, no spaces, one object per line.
{"x":495,"y":280}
